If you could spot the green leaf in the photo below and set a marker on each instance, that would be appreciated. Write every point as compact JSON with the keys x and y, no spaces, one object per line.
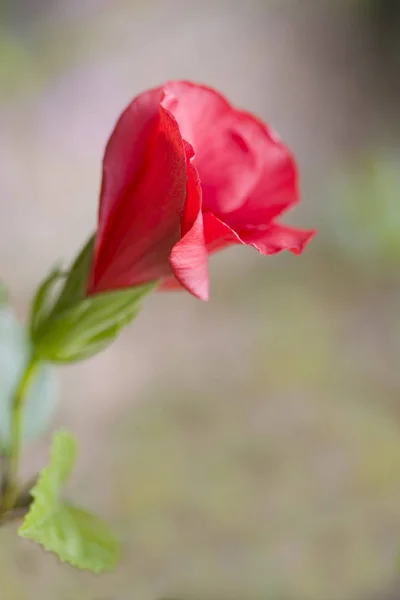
{"x":41,"y":304}
{"x":88,"y":326}
{"x":78,"y":537}
{"x":42,"y":396}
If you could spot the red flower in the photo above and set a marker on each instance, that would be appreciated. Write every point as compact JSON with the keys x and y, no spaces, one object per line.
{"x":186,"y":174}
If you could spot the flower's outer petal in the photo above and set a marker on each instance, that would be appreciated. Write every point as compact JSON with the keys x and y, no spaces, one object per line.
{"x":277,"y":187}
{"x":189,"y":257}
{"x":247,"y":174}
{"x":270,"y":239}
{"x":142,"y":197}
{"x":126,"y":152}
{"x":277,"y":237}
{"x":267,"y":240}
{"x":218,"y":234}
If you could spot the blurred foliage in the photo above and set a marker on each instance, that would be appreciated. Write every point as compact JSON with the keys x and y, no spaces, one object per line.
{"x":365,"y":215}
{"x":18,"y":71}
{"x":33,"y":51}
{"x":15,"y":350}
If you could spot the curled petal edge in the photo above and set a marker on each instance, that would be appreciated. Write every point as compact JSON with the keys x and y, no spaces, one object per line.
{"x":189,"y":257}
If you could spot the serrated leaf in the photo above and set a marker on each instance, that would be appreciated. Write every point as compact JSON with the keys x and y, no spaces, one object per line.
{"x":42,"y":396}
{"x":78,"y":537}
{"x":87,"y":327}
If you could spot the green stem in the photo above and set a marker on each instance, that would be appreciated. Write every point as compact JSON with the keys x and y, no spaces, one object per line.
{"x":12,"y":462}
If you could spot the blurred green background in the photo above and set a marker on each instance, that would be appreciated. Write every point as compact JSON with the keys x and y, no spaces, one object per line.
{"x":247,"y":448}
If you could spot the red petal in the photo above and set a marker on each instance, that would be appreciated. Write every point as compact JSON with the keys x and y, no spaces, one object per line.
{"x":277,"y":237}
{"x":270,"y":239}
{"x":142,"y":196}
{"x":189,"y":258}
{"x":247,"y":174}
{"x":218,"y":234}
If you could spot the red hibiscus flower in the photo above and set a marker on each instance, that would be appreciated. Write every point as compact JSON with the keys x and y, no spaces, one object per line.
{"x":186,"y":174}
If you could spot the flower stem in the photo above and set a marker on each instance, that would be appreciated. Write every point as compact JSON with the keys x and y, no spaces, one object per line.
{"x":10,"y":490}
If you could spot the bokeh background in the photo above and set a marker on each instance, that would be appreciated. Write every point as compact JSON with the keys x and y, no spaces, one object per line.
{"x":249,"y":447}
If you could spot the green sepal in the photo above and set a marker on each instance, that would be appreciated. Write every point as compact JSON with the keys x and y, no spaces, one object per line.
{"x":87,"y":327}
{"x":76,"y":536}
{"x":77,"y":326}
{"x":76,"y":282}
{"x":41,"y":305}
{"x":72,"y":291}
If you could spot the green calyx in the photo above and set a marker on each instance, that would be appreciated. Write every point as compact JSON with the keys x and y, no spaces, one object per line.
{"x":75,"y":326}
